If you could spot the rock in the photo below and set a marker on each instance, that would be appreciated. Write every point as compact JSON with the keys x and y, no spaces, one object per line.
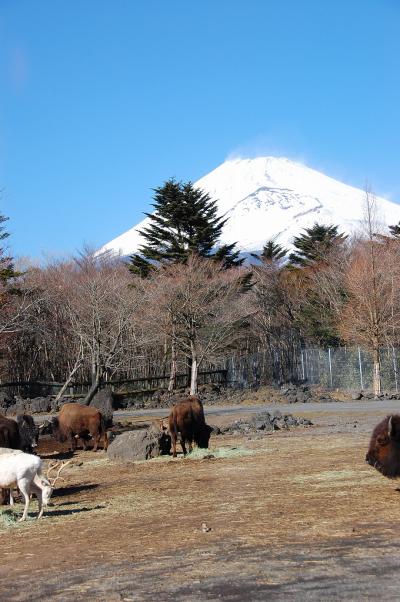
{"x":215,"y":430}
{"x":40,"y":404}
{"x":6,"y":400}
{"x":139,"y":445}
{"x":103,"y":401}
{"x":19,"y":407}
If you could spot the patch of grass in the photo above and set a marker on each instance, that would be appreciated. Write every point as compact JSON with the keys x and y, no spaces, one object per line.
{"x":8,"y":519}
{"x":227,"y":451}
{"x":333,"y":475}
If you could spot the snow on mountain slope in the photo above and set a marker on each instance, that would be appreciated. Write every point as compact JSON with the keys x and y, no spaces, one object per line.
{"x":271,"y":197}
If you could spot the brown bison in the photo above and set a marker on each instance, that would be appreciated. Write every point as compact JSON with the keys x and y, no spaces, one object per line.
{"x":384,"y":448}
{"x":9,"y":433}
{"x":187,"y":418}
{"x":21,"y":433}
{"x":75,"y":421}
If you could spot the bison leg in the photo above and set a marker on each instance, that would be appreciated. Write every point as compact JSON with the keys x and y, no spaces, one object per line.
{"x":96,"y":440}
{"x":72,"y":441}
{"x":23,"y":485}
{"x":183,"y":446}
{"x":173,"y":441}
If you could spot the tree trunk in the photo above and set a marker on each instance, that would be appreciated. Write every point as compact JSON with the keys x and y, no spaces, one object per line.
{"x":172,"y":375}
{"x":377,"y":371}
{"x":76,"y":367}
{"x":194,"y":369}
{"x":97,"y":374}
{"x":92,"y":391}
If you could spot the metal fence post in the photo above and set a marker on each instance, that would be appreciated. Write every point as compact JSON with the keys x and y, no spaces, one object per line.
{"x":361,"y":372}
{"x":330,"y":367}
{"x":395,"y":369}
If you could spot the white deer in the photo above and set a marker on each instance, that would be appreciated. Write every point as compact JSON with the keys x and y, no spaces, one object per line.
{"x":24,"y":471}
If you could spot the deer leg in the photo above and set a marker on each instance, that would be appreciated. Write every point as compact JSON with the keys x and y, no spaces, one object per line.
{"x":23,"y":485}
{"x":38,"y":492}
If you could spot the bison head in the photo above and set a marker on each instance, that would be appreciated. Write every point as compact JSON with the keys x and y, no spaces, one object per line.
{"x":384,"y":448}
{"x":55,"y":429}
{"x":28,"y":432}
{"x":203,"y":437}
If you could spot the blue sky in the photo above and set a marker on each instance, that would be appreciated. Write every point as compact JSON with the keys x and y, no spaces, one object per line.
{"x":101,"y":101}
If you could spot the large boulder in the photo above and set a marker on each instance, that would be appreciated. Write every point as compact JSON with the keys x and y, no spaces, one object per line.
{"x":40,"y":404}
{"x":6,"y":400}
{"x":19,"y":407}
{"x":140,"y":444}
{"x":104,"y":401}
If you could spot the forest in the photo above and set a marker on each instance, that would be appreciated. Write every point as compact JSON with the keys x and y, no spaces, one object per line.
{"x":183,"y":301}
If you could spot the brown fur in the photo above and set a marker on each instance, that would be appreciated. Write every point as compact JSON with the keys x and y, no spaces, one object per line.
{"x":187,"y":418}
{"x":77,"y":421}
{"x":9,"y":437}
{"x":384,"y":448}
{"x":9,"y":433}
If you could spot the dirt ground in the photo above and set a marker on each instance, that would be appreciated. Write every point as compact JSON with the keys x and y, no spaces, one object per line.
{"x":296,"y":515}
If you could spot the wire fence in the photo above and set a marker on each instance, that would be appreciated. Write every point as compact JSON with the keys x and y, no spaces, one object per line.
{"x":332,"y":368}
{"x":349,"y":368}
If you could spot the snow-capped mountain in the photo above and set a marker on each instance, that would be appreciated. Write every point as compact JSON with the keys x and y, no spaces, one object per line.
{"x":271,"y":197}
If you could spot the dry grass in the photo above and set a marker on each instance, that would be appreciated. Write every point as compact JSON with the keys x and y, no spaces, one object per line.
{"x":302,"y":487}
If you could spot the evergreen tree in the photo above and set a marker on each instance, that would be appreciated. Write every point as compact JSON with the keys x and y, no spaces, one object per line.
{"x":314,"y":244}
{"x":395,"y":230}
{"x":271,"y":252}
{"x":185,"y":221}
{"x":6,"y":264}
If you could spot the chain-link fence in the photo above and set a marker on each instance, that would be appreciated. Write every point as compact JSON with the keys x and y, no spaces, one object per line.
{"x":269,"y":366}
{"x":349,"y":368}
{"x":342,"y":368}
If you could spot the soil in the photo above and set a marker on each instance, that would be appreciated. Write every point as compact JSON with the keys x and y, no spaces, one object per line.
{"x":295,"y":515}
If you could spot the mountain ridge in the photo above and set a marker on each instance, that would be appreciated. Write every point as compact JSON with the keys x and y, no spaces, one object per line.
{"x":273,"y":197}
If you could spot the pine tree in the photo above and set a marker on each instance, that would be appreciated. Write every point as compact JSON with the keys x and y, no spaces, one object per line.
{"x":314,"y":244}
{"x":395,"y":230}
{"x":271,"y":252}
{"x":6,"y":264}
{"x":185,"y":221}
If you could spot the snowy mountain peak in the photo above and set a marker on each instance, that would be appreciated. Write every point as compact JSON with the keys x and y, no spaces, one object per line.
{"x":273,"y":197}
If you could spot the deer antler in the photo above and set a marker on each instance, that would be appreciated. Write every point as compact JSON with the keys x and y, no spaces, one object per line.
{"x":60,"y":468}
{"x":52,"y":465}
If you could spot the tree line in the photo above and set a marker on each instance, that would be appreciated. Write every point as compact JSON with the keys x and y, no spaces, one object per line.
{"x":184,"y":300}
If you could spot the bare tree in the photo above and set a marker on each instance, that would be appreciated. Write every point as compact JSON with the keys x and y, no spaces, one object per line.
{"x":371,"y":315}
{"x":205,"y":305}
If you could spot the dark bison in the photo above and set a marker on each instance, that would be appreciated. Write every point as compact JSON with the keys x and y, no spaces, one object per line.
{"x":9,"y":433}
{"x":187,"y":418}
{"x":384,"y":448}
{"x":28,"y":433}
{"x":80,"y":422}
{"x":20,"y":434}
